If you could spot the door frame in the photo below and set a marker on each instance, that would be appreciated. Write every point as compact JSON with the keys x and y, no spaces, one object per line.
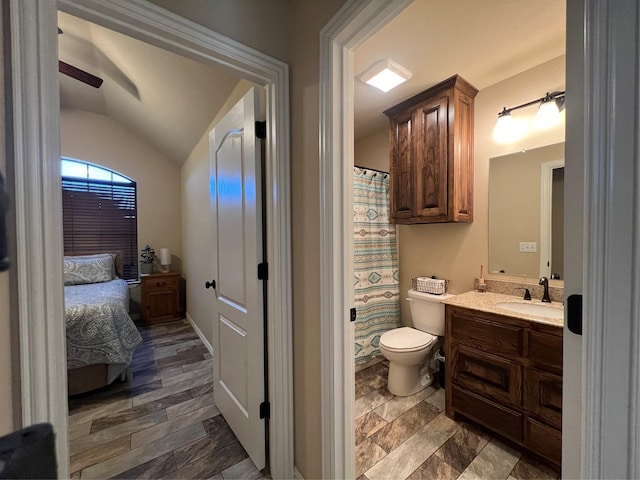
{"x":37,"y":278}
{"x":546,"y":214}
{"x":596,"y":71}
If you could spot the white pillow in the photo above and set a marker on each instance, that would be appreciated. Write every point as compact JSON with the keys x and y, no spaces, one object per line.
{"x":82,"y":269}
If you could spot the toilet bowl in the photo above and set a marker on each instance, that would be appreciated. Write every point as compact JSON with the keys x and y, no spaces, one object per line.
{"x":409,"y":350}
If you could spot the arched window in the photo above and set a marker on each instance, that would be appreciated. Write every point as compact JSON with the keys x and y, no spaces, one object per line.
{"x":99,"y":213}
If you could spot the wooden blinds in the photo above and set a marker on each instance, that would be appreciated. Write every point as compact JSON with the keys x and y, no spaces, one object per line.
{"x":101,"y":217}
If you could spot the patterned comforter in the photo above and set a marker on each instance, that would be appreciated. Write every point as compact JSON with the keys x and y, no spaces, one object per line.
{"x":99,"y":329}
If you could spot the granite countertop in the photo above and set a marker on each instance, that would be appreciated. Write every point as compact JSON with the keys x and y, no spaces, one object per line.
{"x":486,"y":302}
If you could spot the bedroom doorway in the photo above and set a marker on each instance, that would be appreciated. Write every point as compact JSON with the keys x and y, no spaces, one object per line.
{"x":29,"y":20}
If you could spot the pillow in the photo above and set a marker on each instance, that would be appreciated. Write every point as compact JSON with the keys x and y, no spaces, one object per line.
{"x":83,"y":269}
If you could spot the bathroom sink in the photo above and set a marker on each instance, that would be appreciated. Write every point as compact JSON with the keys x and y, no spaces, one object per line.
{"x":536,"y":309}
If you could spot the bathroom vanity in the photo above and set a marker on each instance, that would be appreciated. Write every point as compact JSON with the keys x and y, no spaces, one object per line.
{"x":504,"y":370}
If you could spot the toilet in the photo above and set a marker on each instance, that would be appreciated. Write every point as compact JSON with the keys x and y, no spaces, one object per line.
{"x":409,"y":350}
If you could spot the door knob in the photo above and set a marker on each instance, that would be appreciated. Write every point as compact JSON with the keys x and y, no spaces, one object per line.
{"x":211,"y":284}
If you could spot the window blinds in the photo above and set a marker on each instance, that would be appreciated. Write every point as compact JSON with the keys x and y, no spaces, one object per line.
{"x":101,"y":217}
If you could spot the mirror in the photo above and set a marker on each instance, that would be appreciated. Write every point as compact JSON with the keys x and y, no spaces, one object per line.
{"x":526,"y":213}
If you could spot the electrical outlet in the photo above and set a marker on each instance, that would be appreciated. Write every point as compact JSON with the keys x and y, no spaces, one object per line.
{"x":528,"y":247}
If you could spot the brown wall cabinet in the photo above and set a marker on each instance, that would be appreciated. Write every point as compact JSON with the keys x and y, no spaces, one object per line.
{"x":506,"y":374}
{"x":160,"y":297}
{"x":432,"y":155}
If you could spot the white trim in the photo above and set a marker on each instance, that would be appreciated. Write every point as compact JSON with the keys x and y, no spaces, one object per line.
{"x":39,"y":265}
{"x":356,"y":21}
{"x":36,"y":163}
{"x":546,"y":214}
{"x":199,"y":332}
{"x":610,"y":138}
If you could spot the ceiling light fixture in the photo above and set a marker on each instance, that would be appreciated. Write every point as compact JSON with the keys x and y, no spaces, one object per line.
{"x":385,"y":75}
{"x":548,"y":115}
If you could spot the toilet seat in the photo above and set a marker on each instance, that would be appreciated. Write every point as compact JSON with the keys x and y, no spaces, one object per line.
{"x":406,"y":339}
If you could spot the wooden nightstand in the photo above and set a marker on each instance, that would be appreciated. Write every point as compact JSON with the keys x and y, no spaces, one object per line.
{"x":160,"y":297}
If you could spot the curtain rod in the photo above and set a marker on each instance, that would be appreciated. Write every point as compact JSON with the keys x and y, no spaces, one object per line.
{"x":372,"y":169}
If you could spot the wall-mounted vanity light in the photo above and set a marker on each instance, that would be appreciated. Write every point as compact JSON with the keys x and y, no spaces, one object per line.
{"x":507,"y":130}
{"x":385,"y":75}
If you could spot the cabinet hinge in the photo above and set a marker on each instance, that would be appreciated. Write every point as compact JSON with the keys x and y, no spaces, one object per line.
{"x":265,"y":410}
{"x":263,"y":271}
{"x":261,"y":129}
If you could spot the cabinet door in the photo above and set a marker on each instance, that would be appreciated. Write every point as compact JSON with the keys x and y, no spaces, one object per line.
{"x":543,"y":440}
{"x":544,"y":396}
{"x":461,"y":163}
{"x":401,"y":192}
{"x":431,"y":175}
{"x":488,"y":375}
{"x":162,"y":305}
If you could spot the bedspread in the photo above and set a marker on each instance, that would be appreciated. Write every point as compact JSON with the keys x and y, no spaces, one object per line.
{"x":99,"y":329}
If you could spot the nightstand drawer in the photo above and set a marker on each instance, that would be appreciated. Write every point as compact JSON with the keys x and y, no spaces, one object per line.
{"x":161,"y":284}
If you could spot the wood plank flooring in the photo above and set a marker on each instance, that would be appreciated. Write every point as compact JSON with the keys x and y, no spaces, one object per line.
{"x":411,"y":438}
{"x":160,"y":424}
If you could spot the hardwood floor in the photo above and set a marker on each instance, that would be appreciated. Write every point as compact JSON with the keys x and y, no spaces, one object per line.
{"x":160,"y":424}
{"x":411,"y":438}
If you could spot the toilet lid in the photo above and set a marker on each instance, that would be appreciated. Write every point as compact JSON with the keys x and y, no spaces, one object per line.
{"x":405,"y":338}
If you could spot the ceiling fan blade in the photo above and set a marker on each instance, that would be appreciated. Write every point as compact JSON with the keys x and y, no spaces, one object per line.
{"x":78,"y":74}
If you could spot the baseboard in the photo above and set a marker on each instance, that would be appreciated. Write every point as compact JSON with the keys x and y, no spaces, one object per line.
{"x":199,"y":332}
{"x":296,"y":474}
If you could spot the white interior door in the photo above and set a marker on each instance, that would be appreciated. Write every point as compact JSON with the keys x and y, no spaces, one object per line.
{"x":238,"y":314}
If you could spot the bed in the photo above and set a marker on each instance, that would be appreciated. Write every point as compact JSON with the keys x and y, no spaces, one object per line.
{"x":101,"y":337}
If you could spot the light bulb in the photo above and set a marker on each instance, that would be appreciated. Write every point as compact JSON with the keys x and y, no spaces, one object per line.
{"x":506,"y":129}
{"x":548,"y":115}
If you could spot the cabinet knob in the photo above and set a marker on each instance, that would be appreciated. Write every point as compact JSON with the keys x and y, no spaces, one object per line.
{"x":211,"y":284}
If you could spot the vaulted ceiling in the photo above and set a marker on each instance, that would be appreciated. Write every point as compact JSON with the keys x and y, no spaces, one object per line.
{"x":165,"y":99}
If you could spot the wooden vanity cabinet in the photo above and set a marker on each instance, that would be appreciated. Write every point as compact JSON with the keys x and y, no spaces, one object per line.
{"x":431,"y":158}
{"x":506,"y":374}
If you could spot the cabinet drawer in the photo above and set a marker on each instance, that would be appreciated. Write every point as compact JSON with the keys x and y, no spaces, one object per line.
{"x":544,"y":440}
{"x":488,"y":375}
{"x":544,"y":349}
{"x":502,"y":420}
{"x":544,"y":396}
{"x":153,"y":285}
{"x":492,"y":337}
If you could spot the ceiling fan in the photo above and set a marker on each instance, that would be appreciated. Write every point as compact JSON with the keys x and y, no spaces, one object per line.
{"x":77,"y":73}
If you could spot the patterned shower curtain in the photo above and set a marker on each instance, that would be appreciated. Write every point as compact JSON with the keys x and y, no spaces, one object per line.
{"x":377,"y":290}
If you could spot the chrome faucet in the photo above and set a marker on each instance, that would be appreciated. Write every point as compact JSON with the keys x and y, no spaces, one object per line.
{"x":544,"y":281}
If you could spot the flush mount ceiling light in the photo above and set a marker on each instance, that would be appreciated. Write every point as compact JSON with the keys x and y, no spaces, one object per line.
{"x":385,"y":75}
{"x":548,"y":115}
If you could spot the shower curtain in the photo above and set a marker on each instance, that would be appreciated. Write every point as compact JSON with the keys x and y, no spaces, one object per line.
{"x":376,"y":282}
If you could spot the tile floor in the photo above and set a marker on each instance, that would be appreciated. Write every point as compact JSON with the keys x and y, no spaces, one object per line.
{"x":160,"y":424}
{"x":411,"y":438}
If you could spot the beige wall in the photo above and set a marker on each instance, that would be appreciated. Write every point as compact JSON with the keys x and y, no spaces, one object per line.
{"x":197,"y":227}
{"x":260,"y":24}
{"x":373,"y":151}
{"x":98,"y":139}
{"x":456,"y":251}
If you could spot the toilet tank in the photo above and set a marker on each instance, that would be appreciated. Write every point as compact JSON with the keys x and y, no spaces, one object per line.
{"x":427,"y":313}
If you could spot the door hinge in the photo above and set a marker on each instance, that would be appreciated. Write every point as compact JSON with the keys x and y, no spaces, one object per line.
{"x":352,"y":315}
{"x":263,"y":271}
{"x":261,"y":129}
{"x":265,"y":410}
{"x":574,"y":314}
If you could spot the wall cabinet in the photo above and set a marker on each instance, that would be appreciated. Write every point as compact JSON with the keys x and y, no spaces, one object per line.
{"x":431,"y":158}
{"x":160,"y":300}
{"x":506,"y":374}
